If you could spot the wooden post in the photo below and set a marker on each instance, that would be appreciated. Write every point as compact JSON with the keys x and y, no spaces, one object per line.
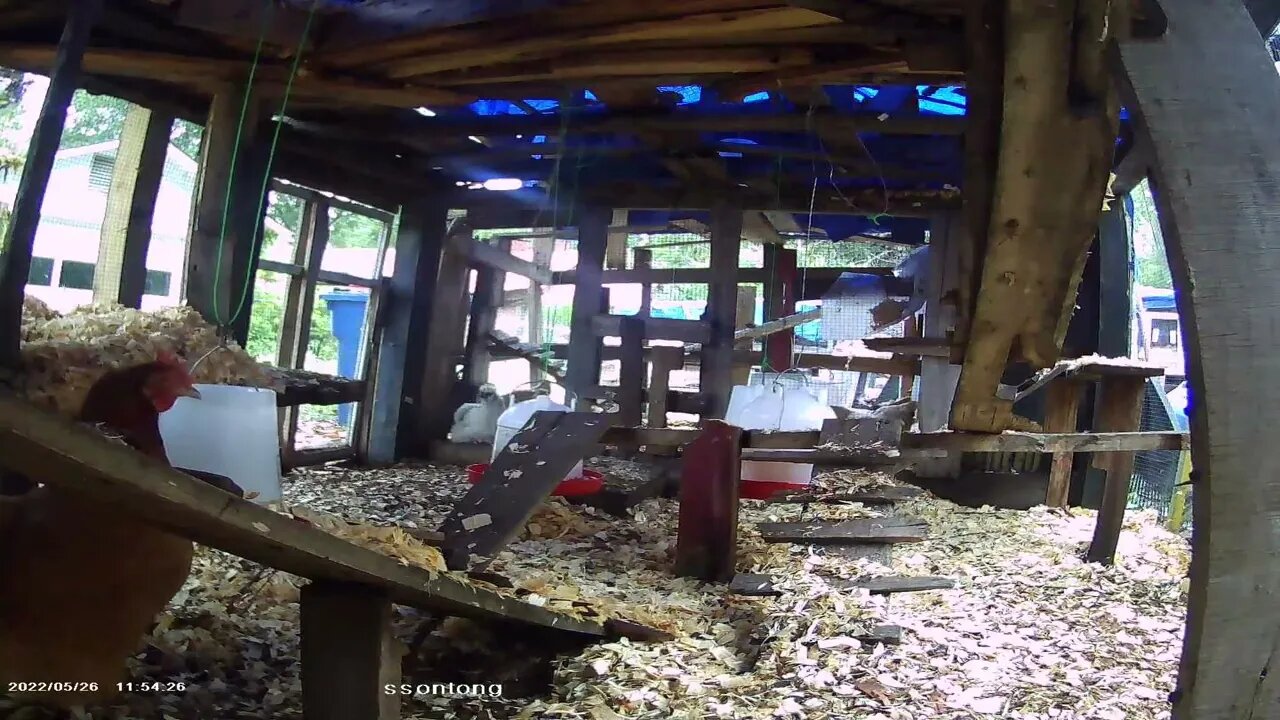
{"x":708,"y":533}
{"x":484,"y":313}
{"x":1120,"y":410}
{"x":210,"y":240}
{"x":402,"y":350}
{"x":631,"y":377}
{"x":615,"y":254}
{"x":584,"y":347}
{"x":664,"y":359}
{"x":248,"y":211}
{"x":299,"y":304}
{"x":126,"y":229}
{"x":644,"y":261}
{"x":349,"y":653}
{"x":938,"y":376}
{"x":1061,"y":408}
{"x":716,"y":372}
{"x":436,"y":399}
{"x":543,"y":249}
{"x":16,"y":264}
{"x":1115,"y":302}
{"x":779,"y":302}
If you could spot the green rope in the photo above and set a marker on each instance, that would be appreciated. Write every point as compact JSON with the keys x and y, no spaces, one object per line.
{"x":266,"y":175}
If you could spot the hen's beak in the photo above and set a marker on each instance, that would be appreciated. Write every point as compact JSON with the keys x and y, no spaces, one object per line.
{"x":190,"y":392}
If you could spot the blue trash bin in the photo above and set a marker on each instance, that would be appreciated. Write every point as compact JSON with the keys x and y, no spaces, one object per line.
{"x":346,"y":313}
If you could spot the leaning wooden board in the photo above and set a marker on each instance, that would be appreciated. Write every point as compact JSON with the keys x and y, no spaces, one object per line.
{"x":495,"y":510}
{"x":53,"y":450}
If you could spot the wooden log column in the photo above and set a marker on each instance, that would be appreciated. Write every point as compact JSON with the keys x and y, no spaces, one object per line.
{"x":716,"y":374}
{"x":1119,"y":410}
{"x":1206,"y":95}
{"x":18,"y":245}
{"x":1057,"y":134}
{"x":583,"y":372}
{"x":436,"y":399}
{"x":349,"y":653}
{"x":708,"y":536}
{"x":402,"y":349}
{"x":121,"y":271}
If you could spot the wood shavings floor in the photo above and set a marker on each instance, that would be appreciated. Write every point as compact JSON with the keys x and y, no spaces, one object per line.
{"x":1031,"y":632}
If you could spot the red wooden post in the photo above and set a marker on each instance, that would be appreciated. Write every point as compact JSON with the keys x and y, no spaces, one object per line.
{"x":708,"y":537}
{"x":780,"y":301}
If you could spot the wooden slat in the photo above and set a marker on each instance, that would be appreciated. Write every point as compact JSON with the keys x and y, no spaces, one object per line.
{"x":776,"y":326}
{"x":53,"y":450}
{"x":886,"y":495}
{"x":706,"y":548}
{"x":1046,"y":442}
{"x":495,"y":257}
{"x":826,"y":458}
{"x":864,"y":530}
{"x":64,"y":76}
{"x":762,"y":585}
{"x":689,"y":331}
{"x":915,"y":346}
{"x":538,"y":458}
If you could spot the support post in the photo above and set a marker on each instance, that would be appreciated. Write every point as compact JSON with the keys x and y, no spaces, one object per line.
{"x":707,"y":545}
{"x":484,"y":313}
{"x":402,"y":354}
{"x":644,"y":261}
{"x":1115,"y":304}
{"x":210,"y":240}
{"x":19,"y":244}
{"x":543,"y":249}
{"x":615,"y":254}
{"x":1061,"y":408}
{"x":665,"y":359}
{"x":938,"y":377}
{"x":779,"y":302}
{"x":716,"y":372}
{"x":1120,"y":410}
{"x":295,"y":326}
{"x":584,"y":347}
{"x":126,"y":229}
{"x":349,"y":653}
{"x":437,"y":399}
{"x":631,"y":377}
{"x":1208,"y":72}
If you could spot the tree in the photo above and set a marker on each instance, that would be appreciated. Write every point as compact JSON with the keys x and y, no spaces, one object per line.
{"x":93,"y":119}
{"x":186,"y":137}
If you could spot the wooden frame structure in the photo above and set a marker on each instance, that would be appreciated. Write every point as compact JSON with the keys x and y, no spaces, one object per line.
{"x":1038,"y":89}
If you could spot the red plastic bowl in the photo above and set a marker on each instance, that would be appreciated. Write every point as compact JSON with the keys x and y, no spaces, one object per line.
{"x":755,"y":490}
{"x":590,"y":483}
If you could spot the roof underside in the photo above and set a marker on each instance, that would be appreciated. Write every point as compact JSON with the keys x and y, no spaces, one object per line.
{"x":849,"y":112}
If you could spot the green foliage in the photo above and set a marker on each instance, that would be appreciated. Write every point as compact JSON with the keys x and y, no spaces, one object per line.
{"x":1150,"y":261}
{"x":93,"y":119}
{"x":186,"y":137}
{"x":268,"y":317}
{"x":349,"y":230}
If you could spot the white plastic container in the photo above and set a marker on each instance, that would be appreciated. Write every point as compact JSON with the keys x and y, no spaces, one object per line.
{"x":514,"y":418}
{"x":773,"y":408}
{"x":230,"y":431}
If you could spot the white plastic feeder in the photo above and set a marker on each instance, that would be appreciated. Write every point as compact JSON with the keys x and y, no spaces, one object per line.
{"x":772,"y":408}
{"x":229,"y":431}
{"x":514,"y":418}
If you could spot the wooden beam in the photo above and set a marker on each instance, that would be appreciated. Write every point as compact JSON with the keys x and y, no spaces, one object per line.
{"x":1011,"y":441}
{"x":16,"y":264}
{"x":780,"y":325}
{"x":1065,"y":116}
{"x":615,"y":254}
{"x":861,"y":364}
{"x":120,"y":275}
{"x":402,"y":344}
{"x":664,"y":361}
{"x":715,"y":378}
{"x":910,"y":345}
{"x":299,"y":306}
{"x":543,"y":249}
{"x":1209,"y":72}
{"x":54,"y":450}
{"x":349,"y":653}
{"x":706,"y":547}
{"x":644,"y":261}
{"x":435,"y":402}
{"x":1061,"y":409}
{"x":689,"y":331}
{"x":584,"y":345}
{"x":485,"y":302}
{"x":780,"y":274}
{"x":493,"y":256}
{"x":631,"y":377}
{"x":826,"y":458}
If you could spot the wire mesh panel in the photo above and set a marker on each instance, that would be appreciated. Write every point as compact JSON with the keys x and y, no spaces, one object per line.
{"x":1155,"y":472}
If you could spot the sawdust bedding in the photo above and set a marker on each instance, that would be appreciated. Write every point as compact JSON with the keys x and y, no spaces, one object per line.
{"x":1032,"y":632}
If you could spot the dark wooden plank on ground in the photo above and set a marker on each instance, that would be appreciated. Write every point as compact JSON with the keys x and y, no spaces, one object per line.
{"x":753,"y":585}
{"x":538,"y":458}
{"x":708,"y":528}
{"x":1119,"y":408}
{"x":891,"y":584}
{"x":887,"y":634}
{"x":885,"y":495}
{"x":53,"y":450}
{"x":349,"y":653}
{"x":861,"y":530}
{"x":15,"y":265}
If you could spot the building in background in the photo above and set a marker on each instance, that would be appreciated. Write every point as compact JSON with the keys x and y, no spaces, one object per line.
{"x":1158,"y":337}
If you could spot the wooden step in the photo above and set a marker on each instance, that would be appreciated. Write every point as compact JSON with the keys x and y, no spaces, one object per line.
{"x":753,"y":585}
{"x":848,"y":532}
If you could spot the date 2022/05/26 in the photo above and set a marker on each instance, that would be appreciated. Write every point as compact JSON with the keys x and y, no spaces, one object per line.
{"x":61,"y":687}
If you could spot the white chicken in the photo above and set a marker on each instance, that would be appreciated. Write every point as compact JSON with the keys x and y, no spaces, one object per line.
{"x":477,"y":422}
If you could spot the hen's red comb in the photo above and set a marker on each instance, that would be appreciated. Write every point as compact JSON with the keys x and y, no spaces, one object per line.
{"x":168,"y":358}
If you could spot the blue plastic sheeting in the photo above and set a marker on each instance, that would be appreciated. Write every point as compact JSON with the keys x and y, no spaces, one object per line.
{"x":689,"y":94}
{"x":1160,"y":302}
{"x":755,"y":98}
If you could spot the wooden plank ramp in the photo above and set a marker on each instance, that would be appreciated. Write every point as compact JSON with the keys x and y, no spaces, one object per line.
{"x":751,"y":584}
{"x":889,"y":530}
{"x":53,"y":450}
